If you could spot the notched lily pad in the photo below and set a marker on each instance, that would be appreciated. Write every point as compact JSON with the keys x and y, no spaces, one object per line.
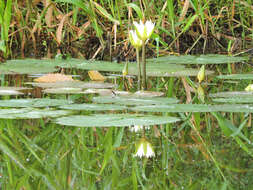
{"x":194,"y":108}
{"x":31,"y":113}
{"x":37,"y":102}
{"x":123,"y":100}
{"x":94,"y":107}
{"x":114,"y":120}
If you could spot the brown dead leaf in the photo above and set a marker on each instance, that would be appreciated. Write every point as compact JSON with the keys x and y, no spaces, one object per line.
{"x":96,"y":76}
{"x":55,"y":77}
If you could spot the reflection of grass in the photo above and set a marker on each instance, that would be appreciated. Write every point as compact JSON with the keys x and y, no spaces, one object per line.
{"x":195,"y":153}
{"x":202,"y":151}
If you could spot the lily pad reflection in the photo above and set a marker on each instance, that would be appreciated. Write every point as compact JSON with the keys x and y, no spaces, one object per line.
{"x":116,"y":120}
{"x":31,"y":113}
{"x":236,"y":77}
{"x":94,"y":107}
{"x":37,"y":102}
{"x":134,"y":100}
{"x":194,"y":108}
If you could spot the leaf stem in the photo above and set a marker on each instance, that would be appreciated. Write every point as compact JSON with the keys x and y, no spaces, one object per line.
{"x":139,"y":68}
{"x":144,"y":82}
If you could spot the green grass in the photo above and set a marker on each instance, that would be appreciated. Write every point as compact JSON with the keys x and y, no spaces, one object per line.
{"x":37,"y":154}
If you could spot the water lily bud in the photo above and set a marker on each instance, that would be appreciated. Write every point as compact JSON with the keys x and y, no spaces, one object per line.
{"x":134,"y":39}
{"x":201,"y":94}
{"x":201,"y":73}
{"x":249,"y":88}
{"x":144,"y":149}
{"x":144,"y":31}
{"x":125,"y":70}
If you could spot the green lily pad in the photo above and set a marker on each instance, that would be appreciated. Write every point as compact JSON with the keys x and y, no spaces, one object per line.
{"x":27,"y":66}
{"x":181,"y":73}
{"x":38,"y":102}
{"x":236,"y":77}
{"x":116,"y":120}
{"x":31,"y":113}
{"x":234,"y":94}
{"x":194,"y":108}
{"x":122,"y":100}
{"x":9,"y":90}
{"x":237,"y":100}
{"x":118,"y":67}
{"x":93,"y":107}
{"x":107,"y":92}
{"x":66,"y":90}
{"x":202,"y":59}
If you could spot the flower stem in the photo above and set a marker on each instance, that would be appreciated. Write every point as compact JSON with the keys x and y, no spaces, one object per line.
{"x":139,"y":68}
{"x":144,"y":82}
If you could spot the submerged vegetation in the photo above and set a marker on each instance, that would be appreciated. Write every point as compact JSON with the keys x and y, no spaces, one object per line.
{"x":62,"y":127}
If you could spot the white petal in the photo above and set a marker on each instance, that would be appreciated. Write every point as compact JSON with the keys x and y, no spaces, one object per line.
{"x":149,"y":27}
{"x":140,"y":151}
{"x":150,"y":151}
{"x":140,"y":27}
{"x":136,"y":128}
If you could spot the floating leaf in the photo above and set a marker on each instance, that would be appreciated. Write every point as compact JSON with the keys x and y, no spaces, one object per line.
{"x":93,"y":107}
{"x":236,"y":77}
{"x":132,"y":67}
{"x":107,"y":92}
{"x":202,"y":59}
{"x":12,"y":90}
{"x":66,"y":90}
{"x":134,"y":100}
{"x":116,"y":120}
{"x":234,"y":94}
{"x":194,"y":108}
{"x":26,"y":67}
{"x":38,"y":102}
{"x":31,"y":113}
{"x":180,"y":73}
{"x":237,"y":100}
{"x":96,"y":76}
{"x":142,"y":93}
{"x":55,"y":77}
{"x":74,"y":84}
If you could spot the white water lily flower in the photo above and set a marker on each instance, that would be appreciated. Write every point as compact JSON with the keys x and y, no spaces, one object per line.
{"x":136,"y":128}
{"x":134,"y":39}
{"x":144,"y":31}
{"x":249,"y":88}
{"x":144,"y":149}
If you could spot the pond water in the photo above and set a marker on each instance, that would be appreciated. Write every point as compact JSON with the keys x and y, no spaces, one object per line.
{"x":62,"y":119}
